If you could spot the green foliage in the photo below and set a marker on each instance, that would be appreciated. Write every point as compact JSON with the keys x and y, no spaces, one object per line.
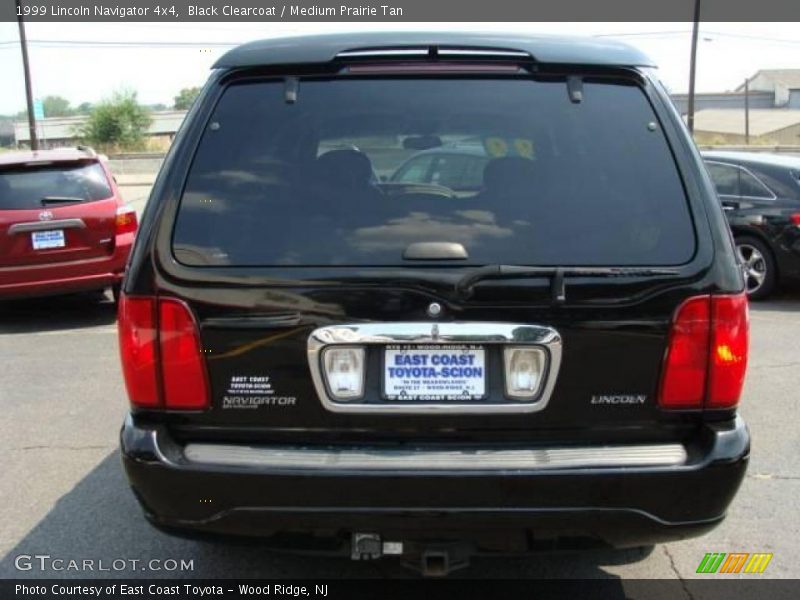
{"x":56,"y":106}
{"x":185,"y":98}
{"x":119,"y":123}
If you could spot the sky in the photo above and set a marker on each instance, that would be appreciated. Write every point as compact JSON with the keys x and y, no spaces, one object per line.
{"x":86,"y":62}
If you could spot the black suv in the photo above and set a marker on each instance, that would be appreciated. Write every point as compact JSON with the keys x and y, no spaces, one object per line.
{"x":322,"y":354}
{"x":761,"y":197}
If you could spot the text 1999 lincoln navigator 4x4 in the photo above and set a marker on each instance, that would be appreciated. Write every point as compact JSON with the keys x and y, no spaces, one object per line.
{"x":537,"y":340}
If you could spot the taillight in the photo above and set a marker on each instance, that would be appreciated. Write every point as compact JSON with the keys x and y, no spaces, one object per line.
{"x":683,"y":382}
{"x":125,"y":221}
{"x":707,"y":353}
{"x":166,"y":336}
{"x":795,"y":218}
{"x":137,"y":346}
{"x":182,"y":367}
{"x":728,"y":357}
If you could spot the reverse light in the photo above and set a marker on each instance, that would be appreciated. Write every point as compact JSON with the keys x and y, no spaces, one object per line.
{"x":524,"y":368}
{"x":125,"y":221}
{"x":706,"y":356}
{"x":343,"y":368}
{"x":162,"y":359}
{"x":728,"y":360}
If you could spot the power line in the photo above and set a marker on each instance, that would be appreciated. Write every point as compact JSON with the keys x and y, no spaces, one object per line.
{"x":62,"y":43}
{"x":643,"y":33}
{"x":755,"y":38}
{"x":752,"y":37}
{"x":121,"y":44}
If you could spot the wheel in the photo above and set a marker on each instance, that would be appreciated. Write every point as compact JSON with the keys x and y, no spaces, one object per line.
{"x":759,"y":267}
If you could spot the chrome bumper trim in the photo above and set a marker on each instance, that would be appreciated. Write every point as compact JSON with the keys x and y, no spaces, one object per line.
{"x":323,"y":460}
{"x":432,"y":332}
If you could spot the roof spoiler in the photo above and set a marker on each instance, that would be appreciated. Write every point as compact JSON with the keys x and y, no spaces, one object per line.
{"x":87,"y":150}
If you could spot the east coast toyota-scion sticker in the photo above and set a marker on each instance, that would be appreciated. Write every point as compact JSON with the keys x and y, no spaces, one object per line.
{"x":253,"y":391}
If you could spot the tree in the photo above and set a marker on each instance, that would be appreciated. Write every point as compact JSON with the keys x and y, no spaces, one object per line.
{"x":84,"y":108}
{"x":56,"y":106}
{"x":117,"y":123}
{"x":185,"y":98}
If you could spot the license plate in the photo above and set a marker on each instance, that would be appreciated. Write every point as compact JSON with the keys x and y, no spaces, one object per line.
{"x":42,"y":240}
{"x":431,"y":373}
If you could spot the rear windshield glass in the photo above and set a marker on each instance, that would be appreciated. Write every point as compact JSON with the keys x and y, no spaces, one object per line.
{"x":26,"y":188}
{"x":354,"y":171}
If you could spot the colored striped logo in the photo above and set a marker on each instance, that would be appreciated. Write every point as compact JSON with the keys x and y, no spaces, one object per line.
{"x":734,"y":562}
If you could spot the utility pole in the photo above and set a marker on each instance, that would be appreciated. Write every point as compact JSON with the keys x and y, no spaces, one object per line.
{"x":747,"y":111}
{"x":23,"y":42}
{"x":692,"y":65}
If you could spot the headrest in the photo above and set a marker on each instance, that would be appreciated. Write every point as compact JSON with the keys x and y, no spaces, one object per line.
{"x":345,"y":167}
{"x":509,"y":172}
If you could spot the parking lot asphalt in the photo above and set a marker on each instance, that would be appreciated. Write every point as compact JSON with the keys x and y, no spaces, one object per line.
{"x":63,"y":493}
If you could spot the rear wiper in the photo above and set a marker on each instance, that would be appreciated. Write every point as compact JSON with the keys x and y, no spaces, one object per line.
{"x":59,"y":199}
{"x":556,"y":275}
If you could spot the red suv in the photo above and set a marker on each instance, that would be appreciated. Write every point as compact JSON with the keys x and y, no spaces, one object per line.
{"x":63,"y":225}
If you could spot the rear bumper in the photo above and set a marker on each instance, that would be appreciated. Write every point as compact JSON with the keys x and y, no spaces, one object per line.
{"x":66,"y":277}
{"x":249,"y":492}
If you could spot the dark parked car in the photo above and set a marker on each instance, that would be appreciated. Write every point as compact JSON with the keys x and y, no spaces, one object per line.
{"x":337,"y":362}
{"x":64,"y":227}
{"x":761,"y":197}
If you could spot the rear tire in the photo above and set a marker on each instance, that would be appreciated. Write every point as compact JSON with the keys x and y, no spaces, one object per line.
{"x":759,"y":267}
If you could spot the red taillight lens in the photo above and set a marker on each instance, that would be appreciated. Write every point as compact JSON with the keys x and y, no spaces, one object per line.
{"x":728,"y":359}
{"x":707,"y":353}
{"x":182,"y":367}
{"x":137,"y":346}
{"x":795,"y":219}
{"x":168,"y":335}
{"x":683,"y":382}
{"x":126,"y":220}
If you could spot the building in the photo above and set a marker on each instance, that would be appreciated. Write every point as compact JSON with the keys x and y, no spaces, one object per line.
{"x":773,"y":98}
{"x":724,"y":100}
{"x":56,"y":132}
{"x":777,"y":127}
{"x":768,"y":88}
{"x":6,"y":132}
{"x":783,"y":84}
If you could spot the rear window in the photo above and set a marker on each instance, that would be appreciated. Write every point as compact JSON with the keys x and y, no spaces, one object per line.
{"x":26,"y":187}
{"x":356,"y":170}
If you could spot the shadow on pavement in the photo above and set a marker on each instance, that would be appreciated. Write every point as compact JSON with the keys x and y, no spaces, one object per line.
{"x":57,"y":313}
{"x":99,"y":519}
